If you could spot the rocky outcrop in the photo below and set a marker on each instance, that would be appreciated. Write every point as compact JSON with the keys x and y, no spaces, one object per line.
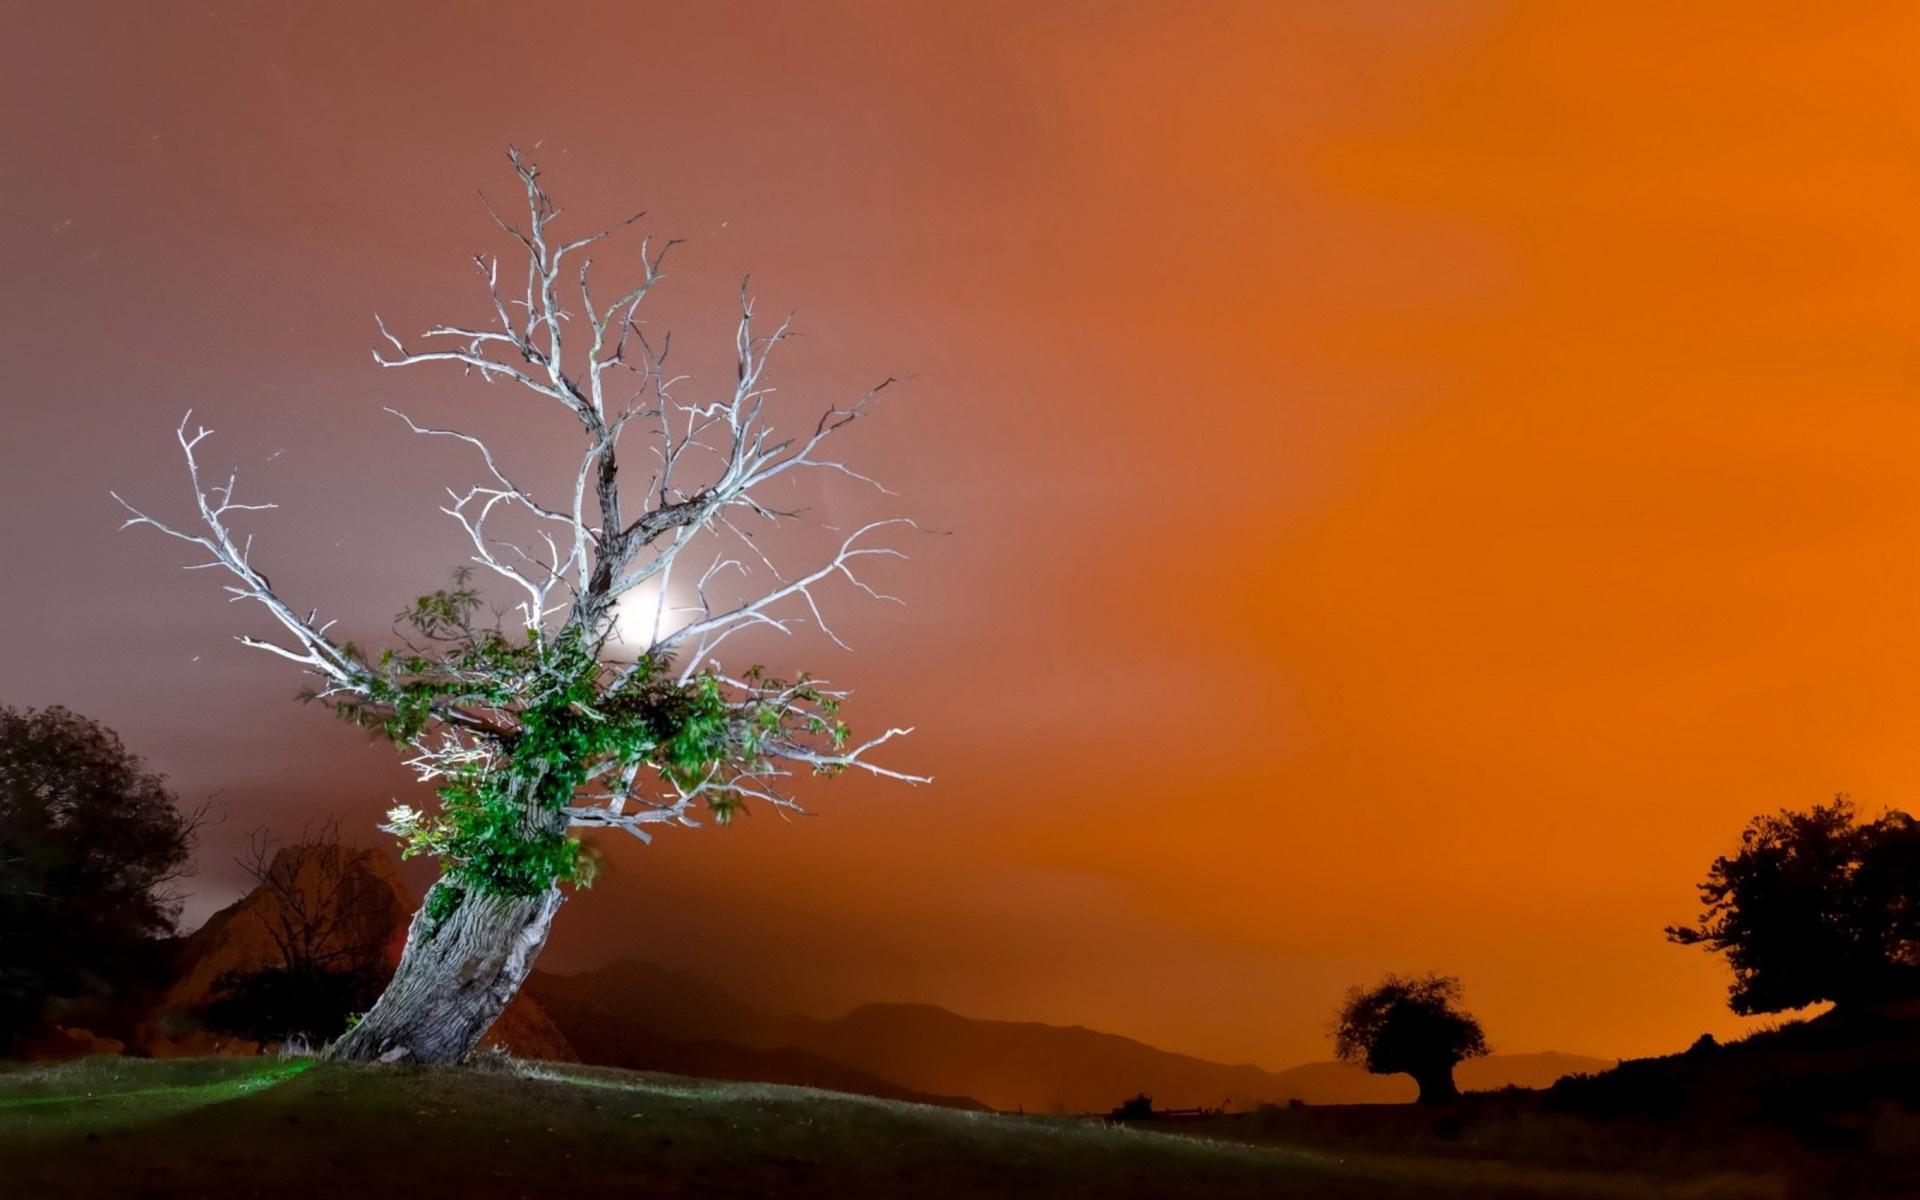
{"x":58,"y":1042}
{"x":525,"y":1030}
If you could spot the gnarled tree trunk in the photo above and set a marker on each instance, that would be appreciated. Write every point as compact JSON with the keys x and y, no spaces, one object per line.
{"x":454,"y":979}
{"x":1436,"y":1085}
{"x":461,"y":968}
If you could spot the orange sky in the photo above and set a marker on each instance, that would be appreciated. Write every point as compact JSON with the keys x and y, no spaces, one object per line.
{"x":1419,"y":475}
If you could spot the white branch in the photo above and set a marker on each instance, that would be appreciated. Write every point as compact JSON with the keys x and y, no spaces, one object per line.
{"x":312,"y":650}
{"x":712,"y":462}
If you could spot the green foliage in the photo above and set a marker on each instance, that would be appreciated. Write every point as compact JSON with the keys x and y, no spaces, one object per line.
{"x":545,"y":715}
{"x":442,"y":901}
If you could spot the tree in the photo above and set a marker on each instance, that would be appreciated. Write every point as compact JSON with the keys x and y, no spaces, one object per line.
{"x":1409,"y":1026}
{"x":1815,"y":906}
{"x":329,"y":920}
{"x":89,"y":842}
{"x":1140,"y":1108}
{"x":536,"y":724}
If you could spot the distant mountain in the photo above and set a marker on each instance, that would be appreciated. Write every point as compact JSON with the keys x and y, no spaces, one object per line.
{"x":630,"y":1014}
{"x":644,"y":1019}
{"x":1047,"y":1068}
{"x":1041,"y":1068}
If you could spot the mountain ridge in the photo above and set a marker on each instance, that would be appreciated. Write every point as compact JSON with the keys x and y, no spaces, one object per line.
{"x":645,"y":1012}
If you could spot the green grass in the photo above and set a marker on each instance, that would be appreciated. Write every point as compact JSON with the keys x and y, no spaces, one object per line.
{"x":238,"y":1128}
{"x":111,"y":1093}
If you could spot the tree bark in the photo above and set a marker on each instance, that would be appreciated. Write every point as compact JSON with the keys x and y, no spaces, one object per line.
{"x":454,"y":979}
{"x":457,"y":974}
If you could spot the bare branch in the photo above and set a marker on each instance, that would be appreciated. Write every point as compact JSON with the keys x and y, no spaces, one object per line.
{"x":312,"y":648}
{"x":709,"y":464}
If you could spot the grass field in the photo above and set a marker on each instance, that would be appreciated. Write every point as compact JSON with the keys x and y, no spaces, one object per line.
{"x":297,"y":1128}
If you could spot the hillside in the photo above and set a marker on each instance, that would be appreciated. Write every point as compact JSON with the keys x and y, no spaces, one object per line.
{"x":636,"y":1015}
{"x":1844,"y":1075}
{"x":293,"y":1130}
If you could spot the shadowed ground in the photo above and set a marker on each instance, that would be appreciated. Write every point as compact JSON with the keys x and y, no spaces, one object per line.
{"x":118,"y":1127}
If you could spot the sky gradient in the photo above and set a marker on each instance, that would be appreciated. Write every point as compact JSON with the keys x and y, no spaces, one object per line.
{"x":1414,"y":478}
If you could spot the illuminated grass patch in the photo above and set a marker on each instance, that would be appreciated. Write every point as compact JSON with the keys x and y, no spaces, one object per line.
{"x":684,"y":1092}
{"x":110,"y":1093}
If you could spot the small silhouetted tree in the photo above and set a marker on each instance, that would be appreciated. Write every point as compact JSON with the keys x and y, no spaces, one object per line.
{"x":329,"y":921}
{"x":1814,"y":906}
{"x":1140,"y":1108}
{"x":1408,"y":1025}
{"x":89,"y":842}
{"x":538,"y":721}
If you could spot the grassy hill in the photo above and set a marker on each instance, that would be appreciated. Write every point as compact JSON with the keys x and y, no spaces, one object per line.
{"x":263,"y":1127}
{"x":1842,"y":1079}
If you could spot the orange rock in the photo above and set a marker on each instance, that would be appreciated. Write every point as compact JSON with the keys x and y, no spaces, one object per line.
{"x":59,"y":1042}
{"x":526,"y":1031}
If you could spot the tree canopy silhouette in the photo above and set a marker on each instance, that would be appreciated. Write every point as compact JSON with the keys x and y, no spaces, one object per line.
{"x":1814,"y":906}
{"x":1406,"y":1025}
{"x":89,"y":841}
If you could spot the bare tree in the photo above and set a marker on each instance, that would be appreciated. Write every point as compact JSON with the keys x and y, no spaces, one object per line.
{"x":535,"y":728}
{"x":321,"y":913}
{"x":329,"y":919}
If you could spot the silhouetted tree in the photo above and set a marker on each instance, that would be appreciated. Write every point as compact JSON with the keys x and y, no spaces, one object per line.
{"x":1815,"y":906}
{"x":1139,"y":1108}
{"x":1409,"y":1026}
{"x":536,"y":723}
{"x":329,"y":922}
{"x":89,"y":841}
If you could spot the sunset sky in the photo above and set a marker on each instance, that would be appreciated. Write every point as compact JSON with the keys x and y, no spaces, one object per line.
{"x":1413,"y":478}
